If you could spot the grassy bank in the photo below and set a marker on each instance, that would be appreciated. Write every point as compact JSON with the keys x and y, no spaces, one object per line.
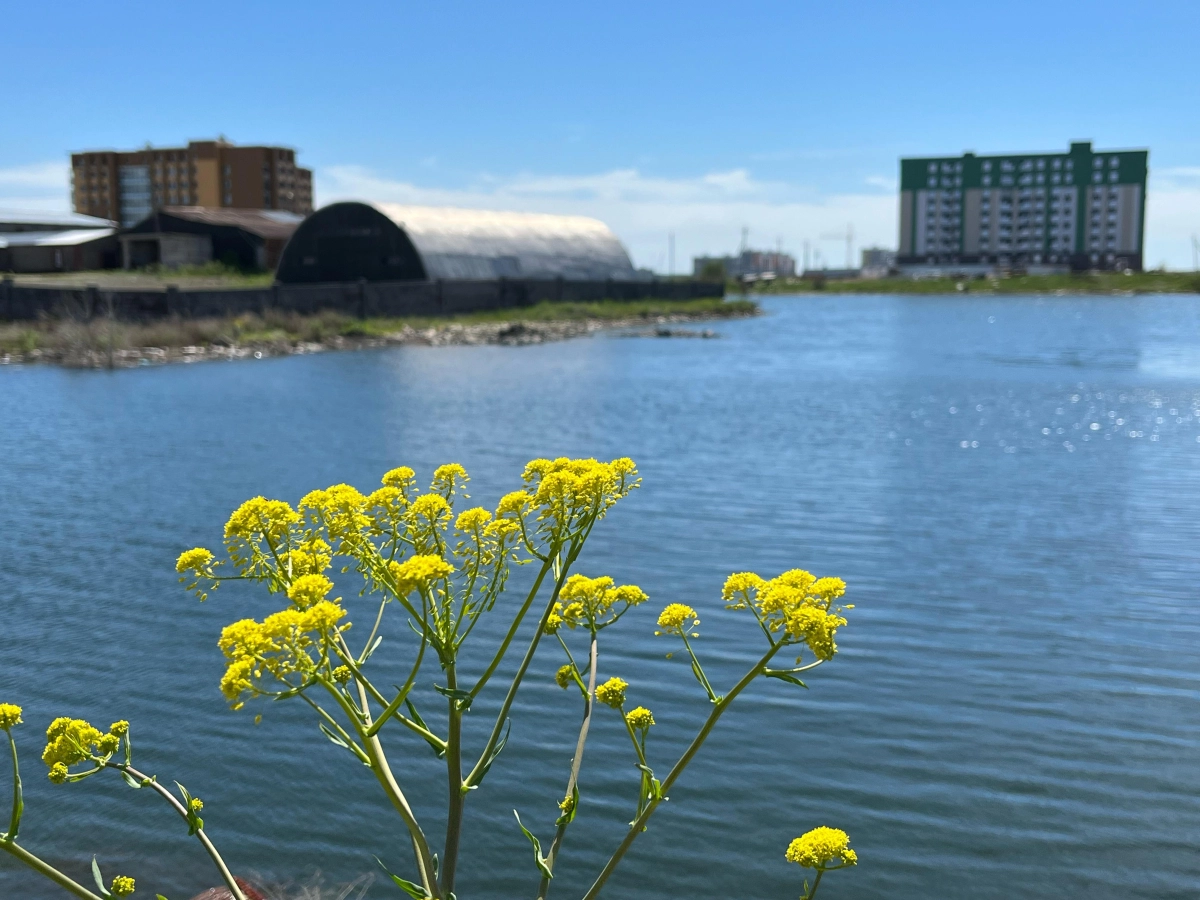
{"x":1083,"y":283}
{"x":154,"y":278}
{"x":276,"y":329}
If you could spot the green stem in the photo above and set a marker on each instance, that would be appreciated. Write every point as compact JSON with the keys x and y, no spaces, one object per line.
{"x":454,"y":813}
{"x":47,"y":870}
{"x":209,"y":848}
{"x":640,"y":822}
{"x":816,"y":881}
{"x":18,"y":806}
{"x":346,"y":657}
{"x":477,"y":772}
{"x":576,"y":764}
{"x":383,"y":774}
{"x":512,"y":631}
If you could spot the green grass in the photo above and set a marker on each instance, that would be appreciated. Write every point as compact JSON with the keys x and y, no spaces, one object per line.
{"x":209,"y":275}
{"x":278,"y":326}
{"x":1082,"y":283}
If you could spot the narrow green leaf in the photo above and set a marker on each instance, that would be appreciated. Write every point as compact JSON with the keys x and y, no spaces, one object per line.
{"x":495,"y":753}
{"x":128,"y":750}
{"x":461,"y":697}
{"x":332,"y":737}
{"x":537,"y":848}
{"x":99,"y":879}
{"x":416,"y":891}
{"x":416,"y":717}
{"x":131,"y":781}
{"x":388,"y":711}
{"x":785,"y":676}
{"x":374,"y":646}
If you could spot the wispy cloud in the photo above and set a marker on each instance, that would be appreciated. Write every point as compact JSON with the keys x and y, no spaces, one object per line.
{"x":882,"y":182}
{"x":706,"y":213}
{"x":41,"y":186}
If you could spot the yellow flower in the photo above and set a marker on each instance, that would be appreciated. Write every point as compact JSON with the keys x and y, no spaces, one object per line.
{"x":674,"y":615}
{"x":590,"y":600}
{"x":447,"y":478}
{"x":260,"y":517}
{"x":565,"y":677}
{"x":321,"y":617}
{"x":816,"y":628}
{"x":195,"y":560}
{"x":195,"y":804}
{"x":69,"y":741}
{"x":738,"y":586}
{"x":108,"y":744}
{"x":430,"y":506}
{"x":10,"y":715}
{"x":119,"y":728}
{"x":122,"y":886}
{"x":312,"y":557}
{"x":473,"y":519}
{"x":418,"y":571}
{"x":818,"y":847}
{"x":554,"y":621}
{"x":612,"y":692}
{"x":512,"y":504}
{"x":236,"y":679}
{"x":57,"y":773}
{"x":341,"y":674}
{"x":639,"y":718}
{"x":308,"y":589}
{"x":400,"y":477}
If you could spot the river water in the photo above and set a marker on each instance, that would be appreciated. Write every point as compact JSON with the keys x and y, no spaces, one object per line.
{"x":1009,"y":485}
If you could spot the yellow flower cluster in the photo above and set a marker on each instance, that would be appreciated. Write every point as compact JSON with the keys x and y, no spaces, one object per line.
{"x":341,"y":509}
{"x":278,"y":646}
{"x":70,"y":741}
{"x":419,"y":571}
{"x":569,"y":491}
{"x":122,"y":886}
{"x":311,"y":557}
{"x":196,"y":560}
{"x":472,"y":519}
{"x":10,"y":715}
{"x":639,"y":718}
{"x":612,"y":692}
{"x":673,"y":617}
{"x":195,"y":804}
{"x":796,"y":603}
{"x":565,"y":676}
{"x":817,"y":848}
{"x":447,"y":479}
{"x":588,"y":601}
{"x":308,"y":590}
{"x":259,"y":518}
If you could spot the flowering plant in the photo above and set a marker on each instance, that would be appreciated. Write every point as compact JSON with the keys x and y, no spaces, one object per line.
{"x":436,"y":570}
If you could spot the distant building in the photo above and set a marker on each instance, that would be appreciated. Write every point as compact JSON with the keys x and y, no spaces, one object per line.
{"x":193,"y":235}
{"x":129,"y":185}
{"x":754,"y":263}
{"x":55,"y":242}
{"x":351,"y":241}
{"x":1082,"y":209}
{"x":877,"y":262}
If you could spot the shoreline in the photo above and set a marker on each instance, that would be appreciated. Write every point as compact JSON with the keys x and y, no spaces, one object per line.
{"x":513,"y":332}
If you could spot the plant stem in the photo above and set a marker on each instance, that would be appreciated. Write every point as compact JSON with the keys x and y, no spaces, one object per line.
{"x":576,"y":764}
{"x":477,"y":770}
{"x":209,"y":848}
{"x":48,"y":870}
{"x":18,"y":806}
{"x":640,"y":822}
{"x":512,"y":631}
{"x":383,"y":774}
{"x":454,"y":811}
{"x":816,"y":881}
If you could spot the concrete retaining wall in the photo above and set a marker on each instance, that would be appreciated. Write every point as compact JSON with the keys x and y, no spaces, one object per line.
{"x":403,"y":298}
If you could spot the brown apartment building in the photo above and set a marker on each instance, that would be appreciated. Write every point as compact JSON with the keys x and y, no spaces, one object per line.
{"x":129,"y":185}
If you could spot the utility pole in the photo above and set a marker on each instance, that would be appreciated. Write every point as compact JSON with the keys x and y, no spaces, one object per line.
{"x":807,"y":256}
{"x":1195,"y":254}
{"x":671,"y":253}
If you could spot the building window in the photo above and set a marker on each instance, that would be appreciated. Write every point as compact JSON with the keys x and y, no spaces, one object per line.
{"x":1114,"y":162}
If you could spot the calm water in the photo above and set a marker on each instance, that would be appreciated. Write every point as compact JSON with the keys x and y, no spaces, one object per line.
{"x":1011,"y":487}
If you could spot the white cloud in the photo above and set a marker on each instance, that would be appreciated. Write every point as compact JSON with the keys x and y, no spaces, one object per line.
{"x":706,"y":213}
{"x":37,"y":186}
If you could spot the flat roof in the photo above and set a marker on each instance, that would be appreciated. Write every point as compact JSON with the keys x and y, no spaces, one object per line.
{"x":42,"y":217}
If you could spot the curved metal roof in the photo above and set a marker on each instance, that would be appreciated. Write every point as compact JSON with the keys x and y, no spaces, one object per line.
{"x":474,"y":243}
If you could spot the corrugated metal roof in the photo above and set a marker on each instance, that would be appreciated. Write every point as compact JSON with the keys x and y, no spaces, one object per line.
{"x":473,"y":243}
{"x":55,"y":238}
{"x":28,"y":217}
{"x":266,"y":223}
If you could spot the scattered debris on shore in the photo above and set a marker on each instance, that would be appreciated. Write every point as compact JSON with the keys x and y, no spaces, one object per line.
{"x":519,"y":333}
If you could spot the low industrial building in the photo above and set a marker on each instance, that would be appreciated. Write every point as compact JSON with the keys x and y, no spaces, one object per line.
{"x":194,"y":235}
{"x":358,"y":241}
{"x":55,"y":242}
{"x":747,"y":265}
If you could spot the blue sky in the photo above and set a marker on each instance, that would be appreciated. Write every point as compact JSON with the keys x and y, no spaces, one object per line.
{"x":698,"y":119}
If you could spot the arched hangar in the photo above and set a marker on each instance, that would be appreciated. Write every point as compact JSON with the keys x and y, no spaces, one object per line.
{"x":386,"y":242}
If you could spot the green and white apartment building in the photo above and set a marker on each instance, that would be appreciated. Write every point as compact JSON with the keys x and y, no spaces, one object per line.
{"x":1083,"y":209}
